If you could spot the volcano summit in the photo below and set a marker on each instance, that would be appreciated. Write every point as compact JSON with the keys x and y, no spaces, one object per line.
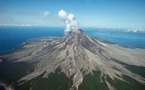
{"x":75,"y":62}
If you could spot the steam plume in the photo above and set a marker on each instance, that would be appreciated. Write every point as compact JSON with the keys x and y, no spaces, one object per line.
{"x":71,"y":23}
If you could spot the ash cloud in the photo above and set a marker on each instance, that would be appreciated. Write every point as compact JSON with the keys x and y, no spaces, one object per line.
{"x":69,"y":19}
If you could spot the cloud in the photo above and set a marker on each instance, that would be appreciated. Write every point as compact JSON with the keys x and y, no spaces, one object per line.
{"x":62,"y":14}
{"x":135,"y":30}
{"x":46,"y":13}
{"x":71,"y":23}
{"x":18,"y":24}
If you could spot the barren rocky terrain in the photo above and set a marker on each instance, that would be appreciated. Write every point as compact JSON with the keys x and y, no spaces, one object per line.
{"x":76,"y":56}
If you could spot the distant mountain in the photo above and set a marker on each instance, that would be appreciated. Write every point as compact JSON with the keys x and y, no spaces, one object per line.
{"x":74,"y":62}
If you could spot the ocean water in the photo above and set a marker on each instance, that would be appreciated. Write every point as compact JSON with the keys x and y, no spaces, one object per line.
{"x":13,"y":37}
{"x":121,"y":37}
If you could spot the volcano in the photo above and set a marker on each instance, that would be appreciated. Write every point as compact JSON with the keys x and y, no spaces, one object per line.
{"x":75,"y":62}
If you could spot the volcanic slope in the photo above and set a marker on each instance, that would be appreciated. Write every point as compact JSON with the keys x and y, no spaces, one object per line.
{"x":78,"y":57}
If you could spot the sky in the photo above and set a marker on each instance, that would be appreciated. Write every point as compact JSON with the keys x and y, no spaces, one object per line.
{"x":88,"y":13}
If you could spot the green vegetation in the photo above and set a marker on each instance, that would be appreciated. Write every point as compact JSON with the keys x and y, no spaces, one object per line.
{"x":92,"y":82}
{"x":137,"y":69}
{"x":11,"y":72}
{"x":55,"y":81}
{"x":130,"y":84}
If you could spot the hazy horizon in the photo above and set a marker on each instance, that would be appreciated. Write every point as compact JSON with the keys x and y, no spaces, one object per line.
{"x":89,"y":13}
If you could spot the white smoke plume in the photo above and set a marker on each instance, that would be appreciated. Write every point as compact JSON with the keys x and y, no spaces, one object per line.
{"x":71,"y":23}
{"x":62,"y":14}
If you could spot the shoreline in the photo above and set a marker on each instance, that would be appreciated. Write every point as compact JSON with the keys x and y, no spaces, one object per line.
{"x":55,"y":37}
